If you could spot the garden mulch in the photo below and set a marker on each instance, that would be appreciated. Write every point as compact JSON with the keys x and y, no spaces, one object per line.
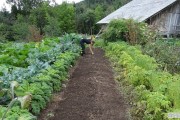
{"x":91,"y":93}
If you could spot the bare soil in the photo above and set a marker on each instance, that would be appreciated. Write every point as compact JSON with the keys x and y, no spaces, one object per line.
{"x":90,"y":94}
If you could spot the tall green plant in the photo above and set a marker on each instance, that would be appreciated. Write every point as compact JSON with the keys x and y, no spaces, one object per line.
{"x":129,"y":30}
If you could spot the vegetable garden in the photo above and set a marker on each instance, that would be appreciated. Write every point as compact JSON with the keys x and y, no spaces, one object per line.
{"x":31,"y":72}
{"x":146,"y":69}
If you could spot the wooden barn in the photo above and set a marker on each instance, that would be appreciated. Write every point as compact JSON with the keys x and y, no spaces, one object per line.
{"x":162,"y":14}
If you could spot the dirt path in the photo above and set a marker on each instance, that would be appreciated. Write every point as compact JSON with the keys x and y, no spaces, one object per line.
{"x":91,"y":93}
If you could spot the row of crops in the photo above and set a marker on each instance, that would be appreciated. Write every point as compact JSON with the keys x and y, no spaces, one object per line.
{"x":156,"y":91}
{"x":31,"y":72}
{"x":166,"y":52}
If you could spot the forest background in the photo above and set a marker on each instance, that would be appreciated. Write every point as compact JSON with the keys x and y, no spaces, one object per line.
{"x":30,"y":20}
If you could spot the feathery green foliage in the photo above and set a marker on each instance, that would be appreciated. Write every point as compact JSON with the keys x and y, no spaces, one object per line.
{"x":156,"y":91}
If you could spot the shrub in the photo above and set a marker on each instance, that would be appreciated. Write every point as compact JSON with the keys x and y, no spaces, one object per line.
{"x":34,"y":34}
{"x":129,"y":30}
{"x":20,"y":31}
{"x":166,"y":54}
{"x":52,"y":29}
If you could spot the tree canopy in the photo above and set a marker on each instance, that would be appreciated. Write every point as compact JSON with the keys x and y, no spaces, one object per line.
{"x":38,"y":18}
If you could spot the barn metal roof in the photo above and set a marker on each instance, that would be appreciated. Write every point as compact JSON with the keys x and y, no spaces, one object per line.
{"x":138,"y":9}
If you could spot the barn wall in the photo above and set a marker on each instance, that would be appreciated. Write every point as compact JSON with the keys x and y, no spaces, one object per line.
{"x":167,"y":21}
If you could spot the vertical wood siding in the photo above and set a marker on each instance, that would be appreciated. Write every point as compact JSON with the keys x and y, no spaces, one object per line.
{"x":167,"y":22}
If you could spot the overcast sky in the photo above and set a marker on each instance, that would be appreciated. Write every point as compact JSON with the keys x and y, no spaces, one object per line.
{"x":3,"y":3}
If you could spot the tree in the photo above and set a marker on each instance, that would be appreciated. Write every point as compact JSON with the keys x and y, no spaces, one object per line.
{"x":89,"y":12}
{"x":52,"y":28}
{"x":20,"y":28}
{"x":6,"y":22}
{"x":85,"y":22}
{"x":99,"y":13}
{"x":3,"y":32}
{"x":23,"y":6}
{"x":38,"y":16}
{"x":65,"y":14}
{"x":89,"y":21}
